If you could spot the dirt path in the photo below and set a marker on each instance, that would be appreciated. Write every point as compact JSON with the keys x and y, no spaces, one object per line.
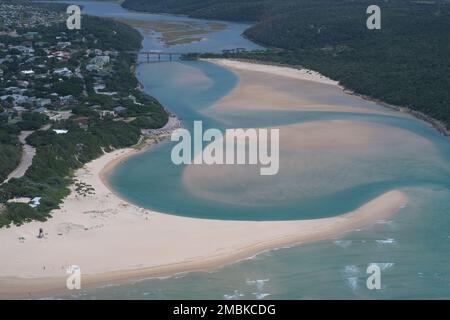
{"x":28,"y":153}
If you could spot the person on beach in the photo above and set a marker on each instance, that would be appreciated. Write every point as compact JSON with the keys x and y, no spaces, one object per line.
{"x":41,"y":233}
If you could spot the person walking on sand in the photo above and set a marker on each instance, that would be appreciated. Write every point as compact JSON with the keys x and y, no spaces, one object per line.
{"x":41,"y":233}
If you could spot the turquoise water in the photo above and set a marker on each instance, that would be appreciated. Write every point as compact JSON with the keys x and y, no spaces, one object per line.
{"x":146,"y":178}
{"x":411,"y":248}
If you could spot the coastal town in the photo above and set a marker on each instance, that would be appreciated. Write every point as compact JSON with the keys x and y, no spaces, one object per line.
{"x":51,"y":75}
{"x":58,"y":84}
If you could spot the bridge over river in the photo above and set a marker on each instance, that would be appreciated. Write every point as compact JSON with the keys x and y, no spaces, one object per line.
{"x":158,"y":54}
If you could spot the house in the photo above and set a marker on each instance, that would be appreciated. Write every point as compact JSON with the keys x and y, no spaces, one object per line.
{"x":12,"y":33}
{"x":65,"y":72}
{"x":15,"y":90}
{"x":27,"y":72}
{"x":41,"y":76}
{"x":35,"y":202}
{"x":66,"y":99}
{"x":40,"y":44}
{"x":92,"y":67}
{"x":120,"y":110}
{"x":60,"y":131}
{"x":18,"y":98}
{"x":83,"y":122}
{"x":31,"y":35}
{"x":41,"y":110}
{"x":24,"y":49}
{"x":61,"y":54}
{"x":106,"y":113}
{"x":19,"y":110}
{"x":111,"y":53}
{"x":98,"y":87}
{"x":63,"y":44}
{"x":23,"y":84}
{"x":31,"y":59}
{"x":60,"y":115}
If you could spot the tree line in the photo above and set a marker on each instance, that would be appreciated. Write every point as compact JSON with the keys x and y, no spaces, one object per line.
{"x":405,"y":63}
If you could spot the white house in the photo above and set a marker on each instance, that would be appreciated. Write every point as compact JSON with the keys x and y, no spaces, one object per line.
{"x":63,"y":44}
{"x":92,"y":67}
{"x":60,"y":131}
{"x":27,"y":72}
{"x":106,"y":113}
{"x":65,"y":72}
{"x":35,"y":202}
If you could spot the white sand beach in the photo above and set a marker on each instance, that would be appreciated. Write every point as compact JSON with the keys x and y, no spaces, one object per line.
{"x":300,"y":74}
{"x":269,"y":87}
{"x":112,"y":240}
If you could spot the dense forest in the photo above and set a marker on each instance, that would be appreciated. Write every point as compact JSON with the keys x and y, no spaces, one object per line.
{"x":406,"y":63}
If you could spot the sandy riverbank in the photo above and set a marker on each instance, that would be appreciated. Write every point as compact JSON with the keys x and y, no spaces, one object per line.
{"x":113,"y":240}
{"x":299,"y":74}
{"x":313,"y":76}
{"x":316,"y":157}
{"x":277,"y":88}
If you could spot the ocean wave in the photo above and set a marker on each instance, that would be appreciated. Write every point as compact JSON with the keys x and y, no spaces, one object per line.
{"x":386,"y":241}
{"x":259,"y":283}
{"x":351,"y":269}
{"x":383,"y":265}
{"x":343,"y":243}
{"x":261,"y":295}
{"x":384,"y":221}
{"x":234,"y":296}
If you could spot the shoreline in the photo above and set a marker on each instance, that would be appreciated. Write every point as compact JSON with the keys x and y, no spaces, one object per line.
{"x":433,"y":122}
{"x":318,"y":230}
{"x":114,"y":241}
{"x":146,"y":143}
{"x":258,"y":237}
{"x":280,"y":70}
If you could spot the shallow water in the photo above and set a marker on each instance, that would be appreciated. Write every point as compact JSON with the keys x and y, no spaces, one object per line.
{"x":411,"y":248}
{"x":312,"y":183}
